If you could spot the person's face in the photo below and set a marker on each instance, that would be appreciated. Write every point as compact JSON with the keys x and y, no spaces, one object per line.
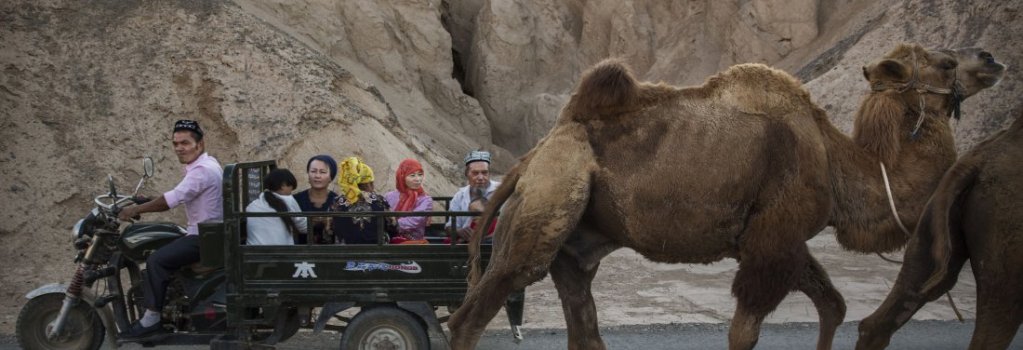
{"x":319,"y":175}
{"x":285,"y":190}
{"x":414,"y":181}
{"x":185,"y":147}
{"x":366,"y":187}
{"x":478,"y":174}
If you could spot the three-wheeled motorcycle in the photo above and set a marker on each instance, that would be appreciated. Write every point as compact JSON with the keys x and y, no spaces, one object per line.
{"x":241,"y":296}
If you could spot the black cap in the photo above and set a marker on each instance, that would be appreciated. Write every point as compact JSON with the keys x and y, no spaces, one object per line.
{"x":187,"y":125}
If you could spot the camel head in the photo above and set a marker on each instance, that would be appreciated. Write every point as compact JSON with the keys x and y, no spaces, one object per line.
{"x":955,"y":74}
{"x":912,"y":85}
{"x":977,"y":69}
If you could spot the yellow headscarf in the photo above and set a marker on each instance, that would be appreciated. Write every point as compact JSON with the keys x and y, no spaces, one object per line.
{"x":352,"y":173}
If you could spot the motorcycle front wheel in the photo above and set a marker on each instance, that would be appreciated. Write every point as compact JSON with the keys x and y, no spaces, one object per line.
{"x":83,"y":329}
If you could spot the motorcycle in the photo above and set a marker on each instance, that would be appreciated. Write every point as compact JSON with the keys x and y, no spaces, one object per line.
{"x":105,"y":291}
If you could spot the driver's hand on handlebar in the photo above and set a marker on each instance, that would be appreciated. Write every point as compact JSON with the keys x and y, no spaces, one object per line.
{"x":139,"y":200}
{"x":128,"y":213}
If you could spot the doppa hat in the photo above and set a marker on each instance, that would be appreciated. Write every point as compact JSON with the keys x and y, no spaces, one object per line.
{"x":477,"y":156}
{"x":187,"y":125}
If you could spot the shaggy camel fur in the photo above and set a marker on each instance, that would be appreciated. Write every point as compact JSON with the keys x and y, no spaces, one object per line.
{"x":744,"y":167}
{"x":976,"y":213}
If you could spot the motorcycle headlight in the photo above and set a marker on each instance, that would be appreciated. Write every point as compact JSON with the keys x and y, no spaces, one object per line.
{"x":77,"y":231}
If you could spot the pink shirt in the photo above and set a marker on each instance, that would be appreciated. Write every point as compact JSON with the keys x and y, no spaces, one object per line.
{"x":414,"y":226}
{"x":200,"y":191}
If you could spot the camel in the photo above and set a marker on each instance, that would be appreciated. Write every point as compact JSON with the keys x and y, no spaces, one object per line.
{"x":745,"y":166}
{"x":976,"y":213}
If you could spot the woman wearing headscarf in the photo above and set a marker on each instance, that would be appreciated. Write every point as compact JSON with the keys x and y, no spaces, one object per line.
{"x":356,"y":181}
{"x":410,"y":196}
{"x":322,"y":170}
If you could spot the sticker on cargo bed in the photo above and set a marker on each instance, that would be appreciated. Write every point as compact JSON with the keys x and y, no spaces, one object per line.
{"x":406,"y":267}
{"x":304,"y":270}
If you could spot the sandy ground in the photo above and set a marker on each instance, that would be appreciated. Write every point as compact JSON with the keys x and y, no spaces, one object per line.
{"x":630,"y":290}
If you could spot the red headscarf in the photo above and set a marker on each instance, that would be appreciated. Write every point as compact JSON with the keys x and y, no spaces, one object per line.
{"x":406,"y":196}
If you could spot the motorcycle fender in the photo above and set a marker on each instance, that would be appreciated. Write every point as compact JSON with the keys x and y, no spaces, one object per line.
{"x":105,"y":315}
{"x":47,"y":289}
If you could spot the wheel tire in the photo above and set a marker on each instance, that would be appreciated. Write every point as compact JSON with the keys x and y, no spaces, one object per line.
{"x":83,"y":328}
{"x":384,"y":328}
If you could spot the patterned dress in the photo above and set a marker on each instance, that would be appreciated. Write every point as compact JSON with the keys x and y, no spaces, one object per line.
{"x":358,"y":229}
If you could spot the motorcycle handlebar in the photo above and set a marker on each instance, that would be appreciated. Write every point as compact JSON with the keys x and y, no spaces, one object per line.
{"x":139,"y":200}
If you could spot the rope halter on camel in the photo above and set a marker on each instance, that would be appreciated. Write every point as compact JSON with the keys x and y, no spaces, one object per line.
{"x":955,"y":97}
{"x":895,"y":214}
{"x":954,"y":92}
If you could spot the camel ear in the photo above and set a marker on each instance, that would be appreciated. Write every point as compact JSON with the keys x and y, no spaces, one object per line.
{"x":887,"y":70}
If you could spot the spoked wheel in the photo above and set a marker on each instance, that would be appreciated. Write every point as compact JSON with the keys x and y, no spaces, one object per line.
{"x":384,"y":328}
{"x":83,"y":329}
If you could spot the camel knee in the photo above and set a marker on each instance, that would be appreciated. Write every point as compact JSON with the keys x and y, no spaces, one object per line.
{"x":827,"y":300}
{"x":838,"y":310}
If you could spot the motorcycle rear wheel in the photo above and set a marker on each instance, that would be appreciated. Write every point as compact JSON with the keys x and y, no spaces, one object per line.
{"x":385,"y":327}
{"x":83,"y":329}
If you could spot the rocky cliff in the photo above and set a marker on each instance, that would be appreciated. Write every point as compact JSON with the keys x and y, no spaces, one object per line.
{"x":88,"y":88}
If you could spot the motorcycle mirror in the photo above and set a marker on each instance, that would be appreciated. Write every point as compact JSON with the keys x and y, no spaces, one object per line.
{"x":113,"y":190}
{"x":147,"y":166}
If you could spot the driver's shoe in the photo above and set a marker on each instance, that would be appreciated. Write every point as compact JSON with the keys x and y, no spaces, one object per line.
{"x":137,"y":331}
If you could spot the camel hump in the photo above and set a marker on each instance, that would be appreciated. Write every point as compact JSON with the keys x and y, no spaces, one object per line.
{"x":758,"y":88}
{"x":608,"y":84}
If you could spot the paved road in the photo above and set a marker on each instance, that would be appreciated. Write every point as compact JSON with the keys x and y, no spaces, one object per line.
{"x":935,"y":335}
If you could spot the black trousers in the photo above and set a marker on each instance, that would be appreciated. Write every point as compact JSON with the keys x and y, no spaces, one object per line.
{"x":162,"y":264}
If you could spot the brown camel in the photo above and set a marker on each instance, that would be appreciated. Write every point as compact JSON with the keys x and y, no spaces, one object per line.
{"x":976,"y":213}
{"x":744,"y":167}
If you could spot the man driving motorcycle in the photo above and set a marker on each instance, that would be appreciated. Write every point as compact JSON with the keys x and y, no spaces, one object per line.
{"x":201,"y":193}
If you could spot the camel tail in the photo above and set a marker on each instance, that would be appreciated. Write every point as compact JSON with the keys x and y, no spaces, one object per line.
{"x":608,"y":84}
{"x":937,"y":221}
{"x":498,"y":199}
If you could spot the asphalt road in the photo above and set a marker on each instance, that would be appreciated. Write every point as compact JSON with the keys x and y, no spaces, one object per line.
{"x":934,"y":335}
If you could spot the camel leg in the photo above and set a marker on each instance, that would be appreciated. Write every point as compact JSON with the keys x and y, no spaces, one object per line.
{"x":906,"y":298}
{"x":479,"y":308}
{"x":828,"y":301}
{"x":572,"y":272}
{"x":549,"y":199}
{"x":999,"y":306}
{"x":764,"y":278}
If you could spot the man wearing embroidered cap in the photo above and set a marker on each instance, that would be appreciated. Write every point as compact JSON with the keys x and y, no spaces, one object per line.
{"x":477,"y":173}
{"x":200,"y":192}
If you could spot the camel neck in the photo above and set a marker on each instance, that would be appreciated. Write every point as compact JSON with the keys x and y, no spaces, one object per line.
{"x":861,"y":215}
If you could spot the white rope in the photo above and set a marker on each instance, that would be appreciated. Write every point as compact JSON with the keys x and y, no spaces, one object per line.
{"x":891,"y":200}
{"x":891,"y":204}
